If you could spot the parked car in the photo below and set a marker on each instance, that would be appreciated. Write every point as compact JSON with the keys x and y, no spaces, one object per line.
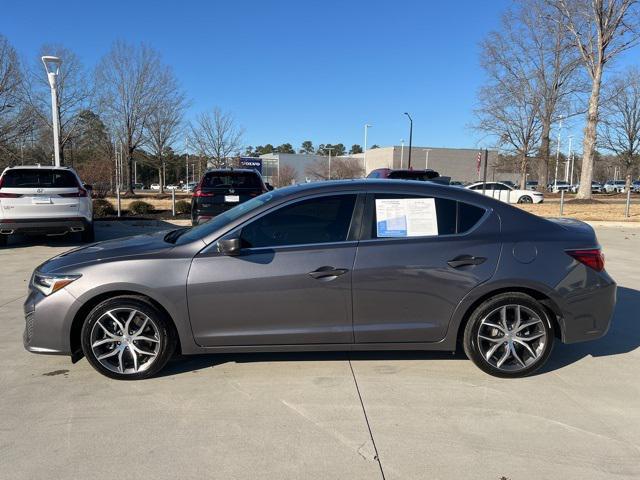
{"x":171,"y":187}
{"x":596,"y":187}
{"x":138,"y":186}
{"x":560,"y":185}
{"x":300,"y":268}
{"x":189,"y":187}
{"x":154,"y":186}
{"x":401,"y":174}
{"x":531,"y":185}
{"x":456,"y":184}
{"x":615,"y":186}
{"x":44,"y":200}
{"x":504,"y":192}
{"x":635,"y":186}
{"x":222,"y":189}
{"x":508,"y":182}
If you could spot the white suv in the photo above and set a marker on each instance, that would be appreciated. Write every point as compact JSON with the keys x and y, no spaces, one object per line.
{"x":45,"y":200}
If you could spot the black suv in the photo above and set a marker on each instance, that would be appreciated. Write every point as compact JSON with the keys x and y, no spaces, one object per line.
{"x":222,"y":189}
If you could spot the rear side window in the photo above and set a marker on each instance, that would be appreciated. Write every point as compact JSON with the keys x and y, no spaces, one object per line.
{"x":39,"y":178}
{"x":317,"y":220}
{"x":452,"y":217}
{"x":231,"y":180}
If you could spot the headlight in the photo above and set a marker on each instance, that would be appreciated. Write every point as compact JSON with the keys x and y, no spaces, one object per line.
{"x":47,"y":284}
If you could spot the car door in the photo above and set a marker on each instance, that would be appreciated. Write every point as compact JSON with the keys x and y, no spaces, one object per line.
{"x":405,"y":288}
{"x":291,"y":282}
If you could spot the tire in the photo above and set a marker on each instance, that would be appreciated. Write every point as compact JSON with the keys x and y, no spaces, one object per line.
{"x":88,"y":235}
{"x":525,"y":199}
{"x":123,"y":357}
{"x":487,"y":346}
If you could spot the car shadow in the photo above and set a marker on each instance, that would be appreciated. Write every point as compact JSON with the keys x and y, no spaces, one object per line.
{"x":623,"y":337}
{"x":104,"y":230}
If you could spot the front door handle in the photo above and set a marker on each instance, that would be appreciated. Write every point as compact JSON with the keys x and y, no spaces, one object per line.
{"x":465,"y":260}
{"x":327,"y":273}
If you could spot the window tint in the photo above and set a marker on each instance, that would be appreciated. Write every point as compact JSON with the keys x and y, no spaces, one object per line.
{"x":231,"y":180}
{"x":39,"y":178}
{"x":500,"y":186}
{"x":452,"y":216}
{"x":468,"y":216}
{"x":317,"y":220}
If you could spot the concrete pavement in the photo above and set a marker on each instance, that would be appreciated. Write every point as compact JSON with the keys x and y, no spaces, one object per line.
{"x":291,"y":416}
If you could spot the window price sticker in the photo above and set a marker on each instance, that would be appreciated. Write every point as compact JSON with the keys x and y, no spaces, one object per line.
{"x":406,"y":217}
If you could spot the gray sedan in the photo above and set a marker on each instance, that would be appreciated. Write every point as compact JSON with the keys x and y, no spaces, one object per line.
{"x":350,"y":265}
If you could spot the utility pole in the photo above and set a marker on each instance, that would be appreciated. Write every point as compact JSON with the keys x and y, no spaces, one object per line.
{"x":555,"y":178}
{"x":366,"y":129}
{"x":426,"y":164}
{"x":569,"y":167}
{"x":410,"y":136}
{"x":330,"y":150}
{"x":186,"y":149}
{"x":52,"y":67}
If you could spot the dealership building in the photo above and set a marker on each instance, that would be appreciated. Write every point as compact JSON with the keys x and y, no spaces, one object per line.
{"x":460,"y":164}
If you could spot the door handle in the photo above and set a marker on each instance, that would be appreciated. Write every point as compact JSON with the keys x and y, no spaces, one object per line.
{"x":465,"y":260}
{"x":327,"y":273}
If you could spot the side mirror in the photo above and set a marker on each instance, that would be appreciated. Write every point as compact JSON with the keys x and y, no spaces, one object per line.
{"x":230,"y":246}
{"x":269,"y":186}
{"x":87,"y":186}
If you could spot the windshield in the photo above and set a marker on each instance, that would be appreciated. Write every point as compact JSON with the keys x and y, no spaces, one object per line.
{"x":221,"y":220}
{"x":231,"y":180}
{"x":39,"y":178}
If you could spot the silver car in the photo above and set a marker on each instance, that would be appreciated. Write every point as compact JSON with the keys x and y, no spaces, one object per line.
{"x":341,"y":265}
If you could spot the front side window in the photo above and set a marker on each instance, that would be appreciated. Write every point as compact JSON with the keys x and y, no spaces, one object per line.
{"x":316,"y":220}
{"x":400,"y":216}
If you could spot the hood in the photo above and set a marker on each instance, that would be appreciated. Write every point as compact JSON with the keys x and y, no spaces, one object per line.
{"x":145,"y":244}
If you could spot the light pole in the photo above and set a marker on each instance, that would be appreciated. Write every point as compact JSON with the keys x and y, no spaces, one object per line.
{"x":555,"y":177}
{"x":401,"y":152}
{"x":366,"y":129}
{"x":52,"y":67}
{"x":186,"y":149}
{"x":410,"y":136}
{"x":330,"y":150}
{"x":569,"y":167}
{"x":426,"y":162}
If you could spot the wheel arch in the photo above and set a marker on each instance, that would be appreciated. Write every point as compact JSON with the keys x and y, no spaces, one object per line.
{"x":80,"y":316}
{"x":552,"y":308}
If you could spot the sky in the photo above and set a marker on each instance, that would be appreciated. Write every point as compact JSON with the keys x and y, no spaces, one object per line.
{"x":291,"y":71}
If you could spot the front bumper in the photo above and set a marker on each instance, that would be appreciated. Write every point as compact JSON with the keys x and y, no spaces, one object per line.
{"x":48,"y":322}
{"x":43,"y":226}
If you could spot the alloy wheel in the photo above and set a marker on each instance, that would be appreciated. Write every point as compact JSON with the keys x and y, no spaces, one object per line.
{"x":512,"y":337}
{"x":125,"y":341}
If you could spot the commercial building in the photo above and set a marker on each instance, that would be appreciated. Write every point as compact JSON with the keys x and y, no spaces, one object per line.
{"x":460,"y":164}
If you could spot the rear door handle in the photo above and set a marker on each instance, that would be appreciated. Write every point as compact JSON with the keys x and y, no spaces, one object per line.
{"x":466,"y":260}
{"x":327,"y":273}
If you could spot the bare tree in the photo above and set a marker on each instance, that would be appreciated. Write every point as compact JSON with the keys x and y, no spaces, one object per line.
{"x":216,"y":136}
{"x":347,"y":167}
{"x":620,"y":125}
{"x":318,"y":169}
{"x":508,"y":111}
{"x":164,"y":125}
{"x":286,"y":176}
{"x":601,"y":30}
{"x":131,"y":83}
{"x":75,"y":94}
{"x":533,"y":54}
{"x":15,"y":117}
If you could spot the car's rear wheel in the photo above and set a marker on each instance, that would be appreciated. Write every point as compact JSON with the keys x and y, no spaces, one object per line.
{"x":525,"y":199}
{"x":127,"y":338}
{"x":509,"y":335}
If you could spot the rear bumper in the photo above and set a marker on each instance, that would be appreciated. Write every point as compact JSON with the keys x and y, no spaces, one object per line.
{"x":43,"y":226}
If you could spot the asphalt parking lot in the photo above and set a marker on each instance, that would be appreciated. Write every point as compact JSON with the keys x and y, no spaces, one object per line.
{"x":292,"y":416}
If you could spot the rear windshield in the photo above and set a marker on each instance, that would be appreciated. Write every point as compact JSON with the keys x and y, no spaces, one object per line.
{"x":39,"y":178}
{"x":415,"y":175}
{"x":231,"y":180}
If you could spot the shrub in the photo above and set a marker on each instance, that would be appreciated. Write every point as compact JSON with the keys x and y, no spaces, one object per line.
{"x":138,"y":207}
{"x":102,"y":208}
{"x":182,"y":206}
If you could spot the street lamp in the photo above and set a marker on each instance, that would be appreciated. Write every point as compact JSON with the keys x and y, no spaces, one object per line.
{"x":52,"y":67}
{"x":555,"y":177}
{"x":366,"y":128}
{"x":410,"y":136}
{"x":401,"y":152}
{"x":330,"y":149}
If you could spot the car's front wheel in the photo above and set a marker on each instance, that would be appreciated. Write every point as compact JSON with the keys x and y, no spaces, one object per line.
{"x":525,"y":199}
{"x":127,"y":338}
{"x":509,"y":335}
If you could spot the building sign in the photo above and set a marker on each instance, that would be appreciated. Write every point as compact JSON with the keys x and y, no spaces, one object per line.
{"x":251,"y":162}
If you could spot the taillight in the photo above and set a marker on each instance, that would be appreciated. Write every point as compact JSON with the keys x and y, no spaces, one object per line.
{"x":593,"y":258}
{"x":80,"y":193}
{"x":199,"y":193}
